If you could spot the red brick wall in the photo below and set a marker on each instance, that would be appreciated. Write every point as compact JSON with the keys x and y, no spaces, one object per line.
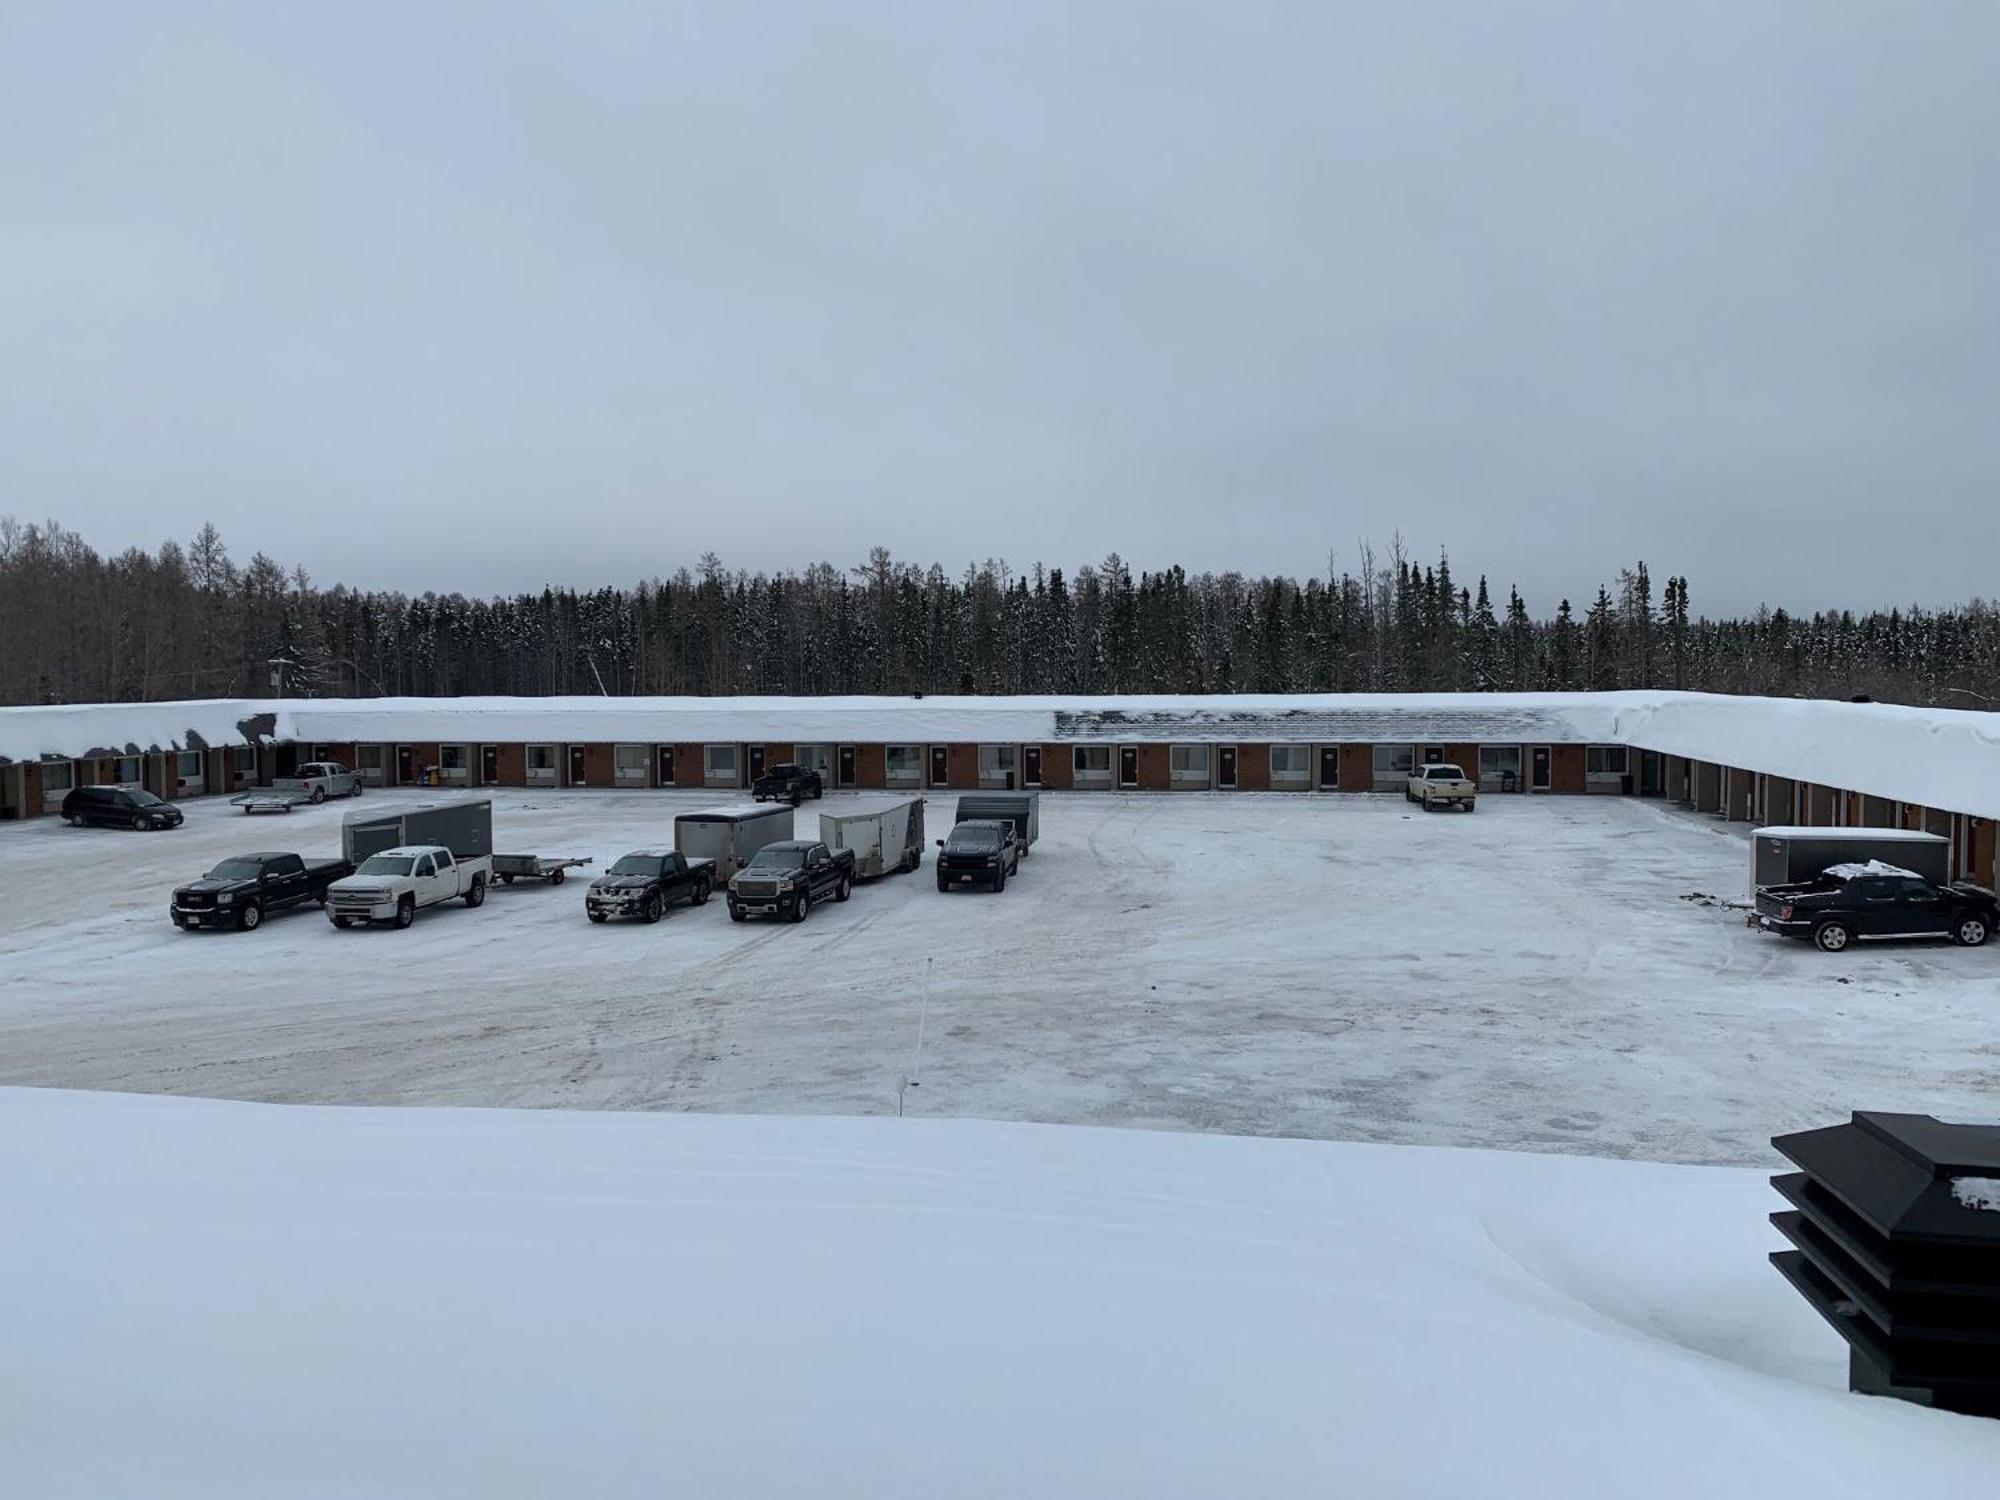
{"x":1357,"y":768}
{"x":962,"y":767}
{"x":1566,"y":772}
{"x":1253,"y":767}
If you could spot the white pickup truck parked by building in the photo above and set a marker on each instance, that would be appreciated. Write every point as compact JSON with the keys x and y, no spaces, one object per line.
{"x":1441,"y":786}
{"x":319,"y":780}
{"x":394,"y":885}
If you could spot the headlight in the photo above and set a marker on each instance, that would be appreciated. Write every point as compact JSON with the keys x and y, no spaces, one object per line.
{"x":225,"y":898}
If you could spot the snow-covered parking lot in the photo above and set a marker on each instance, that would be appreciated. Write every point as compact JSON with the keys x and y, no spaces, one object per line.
{"x":1534,"y":976}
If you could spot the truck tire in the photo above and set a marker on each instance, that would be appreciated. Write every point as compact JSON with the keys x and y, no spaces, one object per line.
{"x":802,"y":904}
{"x":342,"y":922}
{"x":1833,"y":937}
{"x":477,"y":895}
{"x":406,"y":911}
{"x":738,"y":914}
{"x":1970,"y":932}
{"x":652,"y":908}
{"x":355,"y":790}
{"x":318,"y":796}
{"x":843,"y":890}
{"x":700,"y":894}
{"x":1000,"y":879}
{"x":598,"y":916}
{"x":249,"y":916}
{"x":943,"y":885}
{"x":819,"y":791}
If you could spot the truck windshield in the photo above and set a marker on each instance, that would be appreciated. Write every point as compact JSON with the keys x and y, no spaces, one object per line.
{"x":974,"y":838}
{"x":237,"y":869}
{"x":387,"y":864}
{"x":777,"y":859}
{"x":639,"y":864}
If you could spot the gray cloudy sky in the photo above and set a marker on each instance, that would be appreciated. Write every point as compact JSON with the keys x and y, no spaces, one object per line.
{"x":484,"y":296}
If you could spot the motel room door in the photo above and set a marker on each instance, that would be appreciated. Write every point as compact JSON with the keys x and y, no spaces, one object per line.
{"x":1031,"y":766}
{"x":664,"y":756}
{"x":1538,"y":769}
{"x":1225,"y":766}
{"x":1329,"y":767}
{"x":489,"y":765}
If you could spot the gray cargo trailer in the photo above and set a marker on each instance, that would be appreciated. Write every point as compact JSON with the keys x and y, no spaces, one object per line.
{"x":1022,"y":809}
{"x":730,"y":835}
{"x":1784,"y":856}
{"x":465,"y":827}
{"x":885,"y":833}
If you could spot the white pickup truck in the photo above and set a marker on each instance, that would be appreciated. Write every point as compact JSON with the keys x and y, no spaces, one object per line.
{"x":320,"y":779}
{"x":1441,"y":786}
{"x":393,"y":885}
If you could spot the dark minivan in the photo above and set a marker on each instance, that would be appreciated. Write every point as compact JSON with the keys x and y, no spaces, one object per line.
{"x":119,"y":807}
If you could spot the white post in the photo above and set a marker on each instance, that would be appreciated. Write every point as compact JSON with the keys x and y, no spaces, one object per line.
{"x":914,"y":1077}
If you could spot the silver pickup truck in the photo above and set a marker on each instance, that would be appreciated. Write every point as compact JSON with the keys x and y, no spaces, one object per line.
{"x":1441,"y":786}
{"x":318,"y":780}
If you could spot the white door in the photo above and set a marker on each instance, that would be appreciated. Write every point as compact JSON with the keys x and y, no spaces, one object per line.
{"x":426,"y":877}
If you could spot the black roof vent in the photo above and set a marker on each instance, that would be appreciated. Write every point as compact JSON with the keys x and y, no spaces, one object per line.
{"x":1895,"y":1220}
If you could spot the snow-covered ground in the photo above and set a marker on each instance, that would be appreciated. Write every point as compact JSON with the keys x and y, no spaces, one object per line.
{"x":1533,"y":976}
{"x":228,"y":1300}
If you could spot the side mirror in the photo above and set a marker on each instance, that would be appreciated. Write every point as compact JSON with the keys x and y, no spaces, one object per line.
{"x":940,"y":843}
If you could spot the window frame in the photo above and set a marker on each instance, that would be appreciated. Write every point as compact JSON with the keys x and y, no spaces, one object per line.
{"x":712,"y":770}
{"x":907,"y":775}
{"x":533,"y":773}
{"x":1180,"y":766}
{"x":181,"y":759}
{"x":1596,"y":758}
{"x":1402,"y":764}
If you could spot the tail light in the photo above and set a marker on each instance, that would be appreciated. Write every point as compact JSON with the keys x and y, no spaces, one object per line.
{"x":1785,"y":912}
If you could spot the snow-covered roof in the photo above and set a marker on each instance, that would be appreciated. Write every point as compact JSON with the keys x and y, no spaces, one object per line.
{"x":1947,"y":758}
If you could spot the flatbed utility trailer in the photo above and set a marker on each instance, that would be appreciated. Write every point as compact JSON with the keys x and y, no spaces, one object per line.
{"x":270,"y":800}
{"x":513,"y":867}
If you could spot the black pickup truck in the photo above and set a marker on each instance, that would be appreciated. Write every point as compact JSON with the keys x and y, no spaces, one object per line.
{"x":243,"y":888}
{"x":979,"y":851}
{"x":640,"y":884}
{"x":787,"y":783}
{"x":787,"y":878}
{"x":1874,"y":900}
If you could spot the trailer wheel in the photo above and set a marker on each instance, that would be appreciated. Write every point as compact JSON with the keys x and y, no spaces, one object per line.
{"x":506,"y":879}
{"x":477,"y":895}
{"x":1833,"y":937}
{"x":556,"y":877}
{"x":1970,"y":932}
{"x":406,"y":911}
{"x":845,"y":889}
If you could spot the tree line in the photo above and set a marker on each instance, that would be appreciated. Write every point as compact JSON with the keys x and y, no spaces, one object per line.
{"x":190,"y":621}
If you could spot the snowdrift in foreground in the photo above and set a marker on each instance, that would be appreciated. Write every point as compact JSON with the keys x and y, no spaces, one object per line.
{"x":248,"y":1300}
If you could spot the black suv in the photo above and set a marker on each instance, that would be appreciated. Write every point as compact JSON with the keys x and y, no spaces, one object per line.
{"x":787,"y":783}
{"x":980,"y":852}
{"x":119,"y":807}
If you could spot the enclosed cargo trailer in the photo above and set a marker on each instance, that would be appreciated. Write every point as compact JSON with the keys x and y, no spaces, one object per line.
{"x":1786,"y":856}
{"x":1022,"y":809}
{"x":465,"y":827}
{"x":730,"y":835}
{"x":884,"y":833}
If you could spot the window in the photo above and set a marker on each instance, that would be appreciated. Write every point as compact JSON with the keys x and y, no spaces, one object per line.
{"x":718,"y":762}
{"x":1604,"y":760}
{"x":190,"y":765}
{"x":57,"y":776}
{"x":904,"y":762}
{"x":995,"y":762}
{"x":629,"y":764}
{"x":451,"y":757}
{"x":1393,"y":760}
{"x":1188,"y":762}
{"x":425,"y":867}
{"x":246,"y":757}
{"x":541,"y":762}
{"x":1290,"y":762}
{"x":1498,"y":762}
{"x":125,"y":768}
{"x":1093,"y":760}
{"x":368,"y":757}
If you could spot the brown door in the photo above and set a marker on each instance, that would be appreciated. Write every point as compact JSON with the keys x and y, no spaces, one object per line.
{"x":1329,"y":767}
{"x":1225,"y":766}
{"x":1538,"y":768}
{"x":576,"y":773}
{"x":940,"y":766}
{"x":846,"y":772}
{"x":406,"y":766}
{"x":489,"y":765}
{"x":756,"y":761}
{"x":1128,"y":765}
{"x":665,"y":756}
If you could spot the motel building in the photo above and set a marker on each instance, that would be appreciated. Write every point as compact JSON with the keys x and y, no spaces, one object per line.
{"x":1745,"y":760}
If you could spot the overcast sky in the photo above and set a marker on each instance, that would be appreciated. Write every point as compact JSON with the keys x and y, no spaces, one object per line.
{"x":481,"y":296}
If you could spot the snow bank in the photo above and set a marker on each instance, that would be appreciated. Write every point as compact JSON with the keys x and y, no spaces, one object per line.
{"x":246,"y":1300}
{"x":1946,"y":758}
{"x":1977,"y":1192}
{"x":1856,"y":871}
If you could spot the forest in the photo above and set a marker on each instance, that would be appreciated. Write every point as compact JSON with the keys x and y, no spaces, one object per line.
{"x":188,"y":620}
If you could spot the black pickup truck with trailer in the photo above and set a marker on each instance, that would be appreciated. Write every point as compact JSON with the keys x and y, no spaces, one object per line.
{"x":640,"y":884}
{"x":1874,"y":900}
{"x":979,"y":852}
{"x":787,"y":783}
{"x":787,"y":878}
{"x":245,"y":888}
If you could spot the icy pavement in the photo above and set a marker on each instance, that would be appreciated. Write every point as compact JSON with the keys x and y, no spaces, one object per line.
{"x":227,"y":1300}
{"x":1534,"y":976}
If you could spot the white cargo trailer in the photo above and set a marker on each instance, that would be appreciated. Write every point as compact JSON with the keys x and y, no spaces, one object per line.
{"x":885,"y":833}
{"x":730,"y":835}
